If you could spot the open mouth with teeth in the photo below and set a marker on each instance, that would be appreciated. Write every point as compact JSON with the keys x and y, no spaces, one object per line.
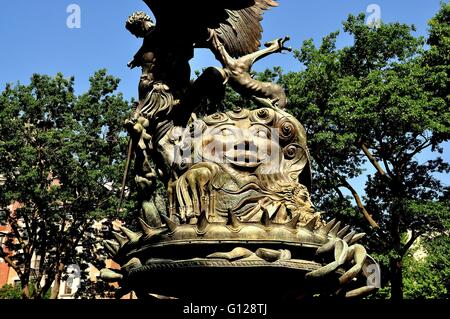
{"x":247,"y":159}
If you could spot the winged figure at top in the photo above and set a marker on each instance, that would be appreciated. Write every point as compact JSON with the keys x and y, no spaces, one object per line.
{"x":231,"y":29}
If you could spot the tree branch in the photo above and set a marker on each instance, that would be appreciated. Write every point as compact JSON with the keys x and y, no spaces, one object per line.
{"x":410,"y":243}
{"x":372,"y":159}
{"x":359,"y":203}
{"x":10,"y":262}
{"x":12,"y":222}
{"x":388,"y":169}
{"x":419,"y":149}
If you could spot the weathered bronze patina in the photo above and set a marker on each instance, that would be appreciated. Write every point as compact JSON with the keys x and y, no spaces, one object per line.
{"x":238,"y":183}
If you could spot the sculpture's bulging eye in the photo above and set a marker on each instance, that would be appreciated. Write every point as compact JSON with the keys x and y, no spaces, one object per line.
{"x":262,"y":134}
{"x":227,"y":132}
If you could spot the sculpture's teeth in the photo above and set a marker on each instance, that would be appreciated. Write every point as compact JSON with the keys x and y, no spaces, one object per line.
{"x":171,"y":225}
{"x":233,"y":220}
{"x":132,"y":236}
{"x":329,"y":226}
{"x":294,"y":221}
{"x":150,"y":232}
{"x":202,"y":222}
{"x":311,"y":225}
{"x":356,"y":238}
{"x":343,"y":231}
{"x":349,"y":237}
{"x":265,"y":219}
{"x":120,"y":239}
{"x":335,"y":229}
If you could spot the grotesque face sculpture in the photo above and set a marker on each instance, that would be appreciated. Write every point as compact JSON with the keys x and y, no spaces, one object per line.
{"x":241,"y":144}
{"x":240,"y":161}
{"x":261,"y":142}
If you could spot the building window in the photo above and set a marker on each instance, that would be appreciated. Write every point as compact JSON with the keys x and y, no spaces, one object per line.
{"x":68,"y":287}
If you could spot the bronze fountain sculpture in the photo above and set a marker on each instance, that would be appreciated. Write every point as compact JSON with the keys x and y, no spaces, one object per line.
{"x":238,"y":183}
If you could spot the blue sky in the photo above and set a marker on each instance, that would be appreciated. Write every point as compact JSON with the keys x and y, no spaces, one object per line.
{"x":36,"y":39}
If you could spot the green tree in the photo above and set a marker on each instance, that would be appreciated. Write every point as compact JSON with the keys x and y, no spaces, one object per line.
{"x":61,"y":157}
{"x":10,"y":292}
{"x":380,"y":102}
{"x":437,"y":58}
{"x":428,"y":269}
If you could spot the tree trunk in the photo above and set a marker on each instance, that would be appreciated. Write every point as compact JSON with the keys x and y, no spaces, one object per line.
{"x":25,"y":291}
{"x":25,"y":283}
{"x":396,"y":279}
{"x":57,"y":282}
{"x":396,"y":260}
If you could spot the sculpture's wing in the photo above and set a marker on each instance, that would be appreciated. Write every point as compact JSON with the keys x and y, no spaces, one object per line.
{"x":237,"y":22}
{"x":242,"y":31}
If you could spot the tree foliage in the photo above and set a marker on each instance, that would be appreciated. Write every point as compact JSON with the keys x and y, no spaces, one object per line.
{"x":383,"y":102}
{"x":62,"y":156}
{"x":10,"y":292}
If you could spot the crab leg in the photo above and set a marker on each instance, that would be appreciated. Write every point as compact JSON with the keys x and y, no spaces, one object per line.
{"x":340,"y":257}
{"x":358,"y":253}
{"x":360,"y":292}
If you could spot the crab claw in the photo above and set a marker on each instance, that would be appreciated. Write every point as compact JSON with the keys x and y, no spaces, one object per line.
{"x":340,"y":257}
